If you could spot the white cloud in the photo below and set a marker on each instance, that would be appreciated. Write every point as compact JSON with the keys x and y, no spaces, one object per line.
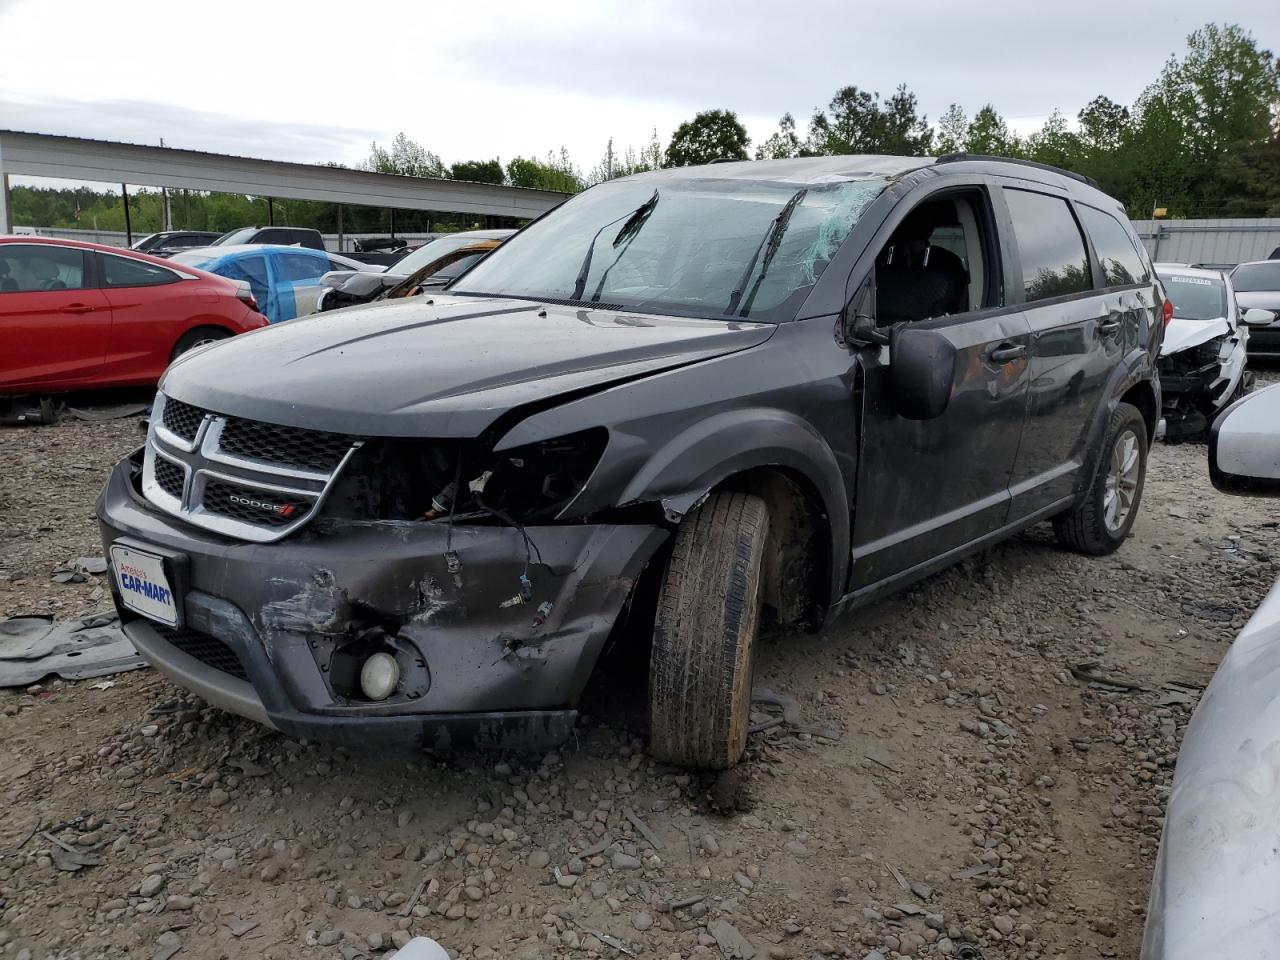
{"x":316,"y":81}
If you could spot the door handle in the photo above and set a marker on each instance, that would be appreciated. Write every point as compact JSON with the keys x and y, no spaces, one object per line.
{"x":78,"y":308}
{"x":1006,"y":352}
{"x":1109,"y":326}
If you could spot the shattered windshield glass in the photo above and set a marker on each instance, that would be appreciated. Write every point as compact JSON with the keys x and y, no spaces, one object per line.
{"x":702,"y":248}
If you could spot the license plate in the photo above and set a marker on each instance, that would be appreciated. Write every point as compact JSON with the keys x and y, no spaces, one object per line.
{"x":144,"y":584}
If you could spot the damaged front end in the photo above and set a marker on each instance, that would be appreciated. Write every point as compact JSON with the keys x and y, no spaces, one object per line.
{"x":1198,"y":380}
{"x":341,"y":587}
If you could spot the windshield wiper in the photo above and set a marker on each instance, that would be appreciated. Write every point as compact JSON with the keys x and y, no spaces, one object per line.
{"x":769,"y":243}
{"x":635,"y":220}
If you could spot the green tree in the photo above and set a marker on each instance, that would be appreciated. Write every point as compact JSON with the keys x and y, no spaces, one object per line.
{"x":783,"y":143}
{"x":953,"y":130}
{"x":1250,"y":177}
{"x":406,"y":157}
{"x":856,"y":121}
{"x":555,"y":173}
{"x":632,"y":161}
{"x":989,"y":134}
{"x":1225,"y":90}
{"x":711,"y":135}
{"x":479,"y":171}
{"x":1054,"y":144}
{"x":1102,"y":123}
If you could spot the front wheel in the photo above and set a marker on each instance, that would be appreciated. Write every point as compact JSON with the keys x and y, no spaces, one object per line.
{"x":197,"y":338}
{"x":1100,"y":522}
{"x":704,"y":634}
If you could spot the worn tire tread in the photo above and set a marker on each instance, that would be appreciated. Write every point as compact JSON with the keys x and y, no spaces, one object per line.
{"x":704,"y":631}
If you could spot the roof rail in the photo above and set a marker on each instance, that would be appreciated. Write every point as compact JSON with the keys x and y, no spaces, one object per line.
{"x":958,"y":157}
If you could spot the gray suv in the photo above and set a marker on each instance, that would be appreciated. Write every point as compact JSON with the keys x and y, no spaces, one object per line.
{"x":770,"y":391}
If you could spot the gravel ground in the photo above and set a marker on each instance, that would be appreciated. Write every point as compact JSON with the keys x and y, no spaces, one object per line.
{"x":975,"y":789}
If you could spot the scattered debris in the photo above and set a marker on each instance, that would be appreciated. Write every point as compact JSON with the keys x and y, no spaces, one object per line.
{"x":733,"y":945}
{"x":108,"y":411}
{"x":643,"y":828}
{"x":1085,"y":672}
{"x":34,"y":647}
{"x":68,"y":858}
{"x":790,"y":717}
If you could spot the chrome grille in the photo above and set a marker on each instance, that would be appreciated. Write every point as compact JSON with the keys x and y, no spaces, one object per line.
{"x":310,"y":449}
{"x":182,"y":418}
{"x":241,"y":478}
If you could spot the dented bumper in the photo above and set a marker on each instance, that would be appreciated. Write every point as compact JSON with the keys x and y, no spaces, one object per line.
{"x":273,"y":631}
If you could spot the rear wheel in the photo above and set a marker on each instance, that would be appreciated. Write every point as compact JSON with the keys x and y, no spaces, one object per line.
{"x":197,"y":338}
{"x":701,"y":662}
{"x":1102,"y":520}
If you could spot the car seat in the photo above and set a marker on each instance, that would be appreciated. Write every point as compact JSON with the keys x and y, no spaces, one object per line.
{"x":919,"y":282}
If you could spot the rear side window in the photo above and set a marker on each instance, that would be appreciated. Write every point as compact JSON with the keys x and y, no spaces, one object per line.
{"x":1050,"y":245}
{"x":29,"y":267}
{"x":252,"y":270}
{"x":1121,"y":262}
{"x":296,"y":266}
{"x":123,"y":272}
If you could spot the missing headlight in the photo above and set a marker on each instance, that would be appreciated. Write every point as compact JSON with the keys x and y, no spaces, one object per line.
{"x":432,"y":480}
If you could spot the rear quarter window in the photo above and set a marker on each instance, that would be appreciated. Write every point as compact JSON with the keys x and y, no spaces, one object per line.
{"x":1120,"y":260}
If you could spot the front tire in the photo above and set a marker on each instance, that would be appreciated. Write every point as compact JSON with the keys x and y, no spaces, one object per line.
{"x":1102,"y":520}
{"x":197,"y":338}
{"x":704,"y":633}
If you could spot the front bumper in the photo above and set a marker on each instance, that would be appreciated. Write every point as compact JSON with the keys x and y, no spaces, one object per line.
{"x":1264,"y":341}
{"x":265,"y":626}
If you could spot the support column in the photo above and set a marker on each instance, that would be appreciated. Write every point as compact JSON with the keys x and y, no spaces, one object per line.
{"x":128,"y":221}
{"x":5,"y":225}
{"x":271,"y":212}
{"x":340,"y":250}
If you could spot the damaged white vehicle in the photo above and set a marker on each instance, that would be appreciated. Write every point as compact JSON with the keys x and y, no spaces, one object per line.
{"x":1202,"y":359}
{"x":1214,"y":889}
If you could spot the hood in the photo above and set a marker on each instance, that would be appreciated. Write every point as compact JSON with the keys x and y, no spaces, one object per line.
{"x":1181,"y":334}
{"x":1265,"y":299}
{"x":440,"y":366}
{"x":1213,"y":894}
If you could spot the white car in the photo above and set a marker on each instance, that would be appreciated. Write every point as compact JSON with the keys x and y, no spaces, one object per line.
{"x":1202,"y":359}
{"x":1214,"y":892}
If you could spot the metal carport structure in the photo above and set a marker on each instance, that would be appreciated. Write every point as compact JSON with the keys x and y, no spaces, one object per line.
{"x":106,"y":161}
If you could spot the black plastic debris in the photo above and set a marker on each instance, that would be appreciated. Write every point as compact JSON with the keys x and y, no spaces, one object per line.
{"x":34,"y":647}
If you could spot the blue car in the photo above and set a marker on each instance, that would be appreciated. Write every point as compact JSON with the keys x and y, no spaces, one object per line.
{"x":285,"y":280}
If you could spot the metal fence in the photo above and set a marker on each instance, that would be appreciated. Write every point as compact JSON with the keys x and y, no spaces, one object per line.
{"x":1215,"y":243}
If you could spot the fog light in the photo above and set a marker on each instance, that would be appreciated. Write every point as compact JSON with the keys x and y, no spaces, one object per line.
{"x":379,"y":676}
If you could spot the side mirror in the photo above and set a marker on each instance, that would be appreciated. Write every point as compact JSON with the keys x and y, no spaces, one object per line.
{"x":1244,"y":445}
{"x":858,"y":322}
{"x":1257,"y":317}
{"x":922,"y":371}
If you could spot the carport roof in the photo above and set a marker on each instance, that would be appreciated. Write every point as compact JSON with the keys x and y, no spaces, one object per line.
{"x":107,"y":161}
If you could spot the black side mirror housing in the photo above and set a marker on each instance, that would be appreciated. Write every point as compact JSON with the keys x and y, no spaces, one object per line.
{"x":922,"y":372}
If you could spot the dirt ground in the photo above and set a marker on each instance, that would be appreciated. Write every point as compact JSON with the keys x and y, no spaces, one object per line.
{"x":977,"y":797}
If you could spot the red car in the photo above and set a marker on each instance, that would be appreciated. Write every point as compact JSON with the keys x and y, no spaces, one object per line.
{"x":79,"y":315}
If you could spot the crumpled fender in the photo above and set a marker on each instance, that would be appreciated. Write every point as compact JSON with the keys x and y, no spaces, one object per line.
{"x":1182,"y":334}
{"x":681,"y":471}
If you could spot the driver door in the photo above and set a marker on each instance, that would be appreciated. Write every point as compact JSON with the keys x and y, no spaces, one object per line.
{"x":53,"y":324}
{"x":926,"y":488}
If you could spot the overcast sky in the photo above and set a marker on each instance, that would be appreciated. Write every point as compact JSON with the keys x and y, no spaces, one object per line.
{"x":318,"y":81}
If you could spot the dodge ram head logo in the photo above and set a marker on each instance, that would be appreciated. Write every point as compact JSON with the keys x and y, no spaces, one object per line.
{"x":279,"y":509}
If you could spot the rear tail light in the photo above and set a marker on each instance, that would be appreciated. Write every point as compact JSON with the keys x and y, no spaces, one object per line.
{"x":1168,"y":311}
{"x":245,"y":295}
